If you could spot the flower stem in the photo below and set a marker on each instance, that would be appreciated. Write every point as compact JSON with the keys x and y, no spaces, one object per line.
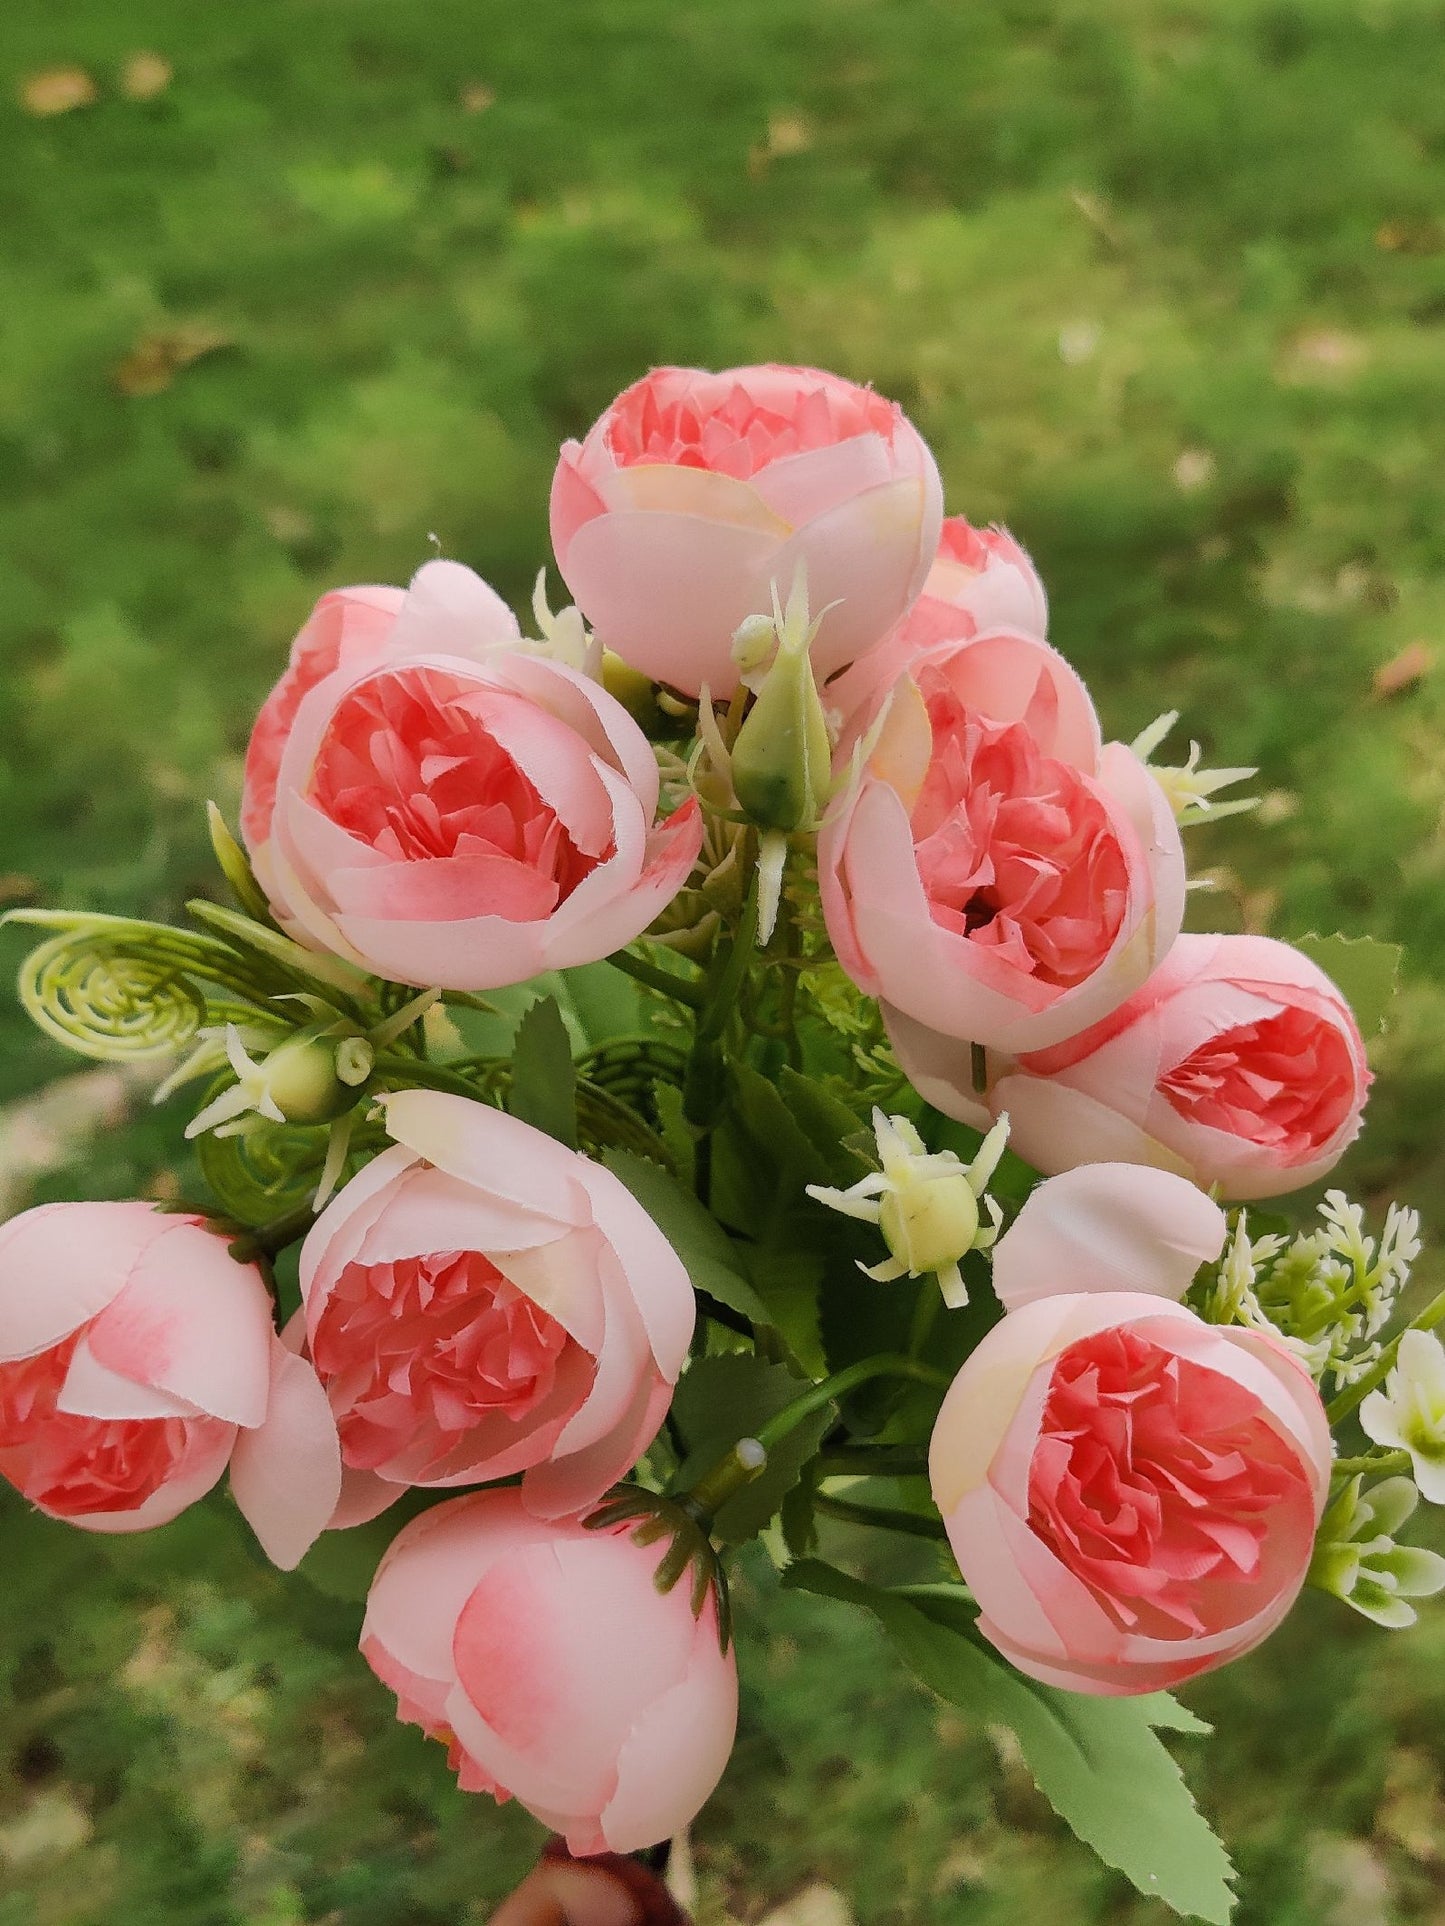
{"x":641,"y":971}
{"x":1355,"y":1394}
{"x":407,"y":1071}
{"x":1372,"y":1462}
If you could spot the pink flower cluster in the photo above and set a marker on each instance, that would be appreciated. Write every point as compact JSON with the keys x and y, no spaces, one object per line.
{"x":1131,"y":1494}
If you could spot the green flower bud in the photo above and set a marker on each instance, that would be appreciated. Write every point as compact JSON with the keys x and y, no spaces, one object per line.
{"x":782,"y":759}
{"x":300,"y":1077}
{"x":634,"y":691}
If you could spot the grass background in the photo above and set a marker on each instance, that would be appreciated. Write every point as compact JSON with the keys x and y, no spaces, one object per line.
{"x":1163,"y":283}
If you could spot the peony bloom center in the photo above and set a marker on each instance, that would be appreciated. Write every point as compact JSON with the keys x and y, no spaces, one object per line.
{"x":717,"y":423}
{"x":421,"y":1353}
{"x":1160,"y":1486}
{"x":1014,"y":849}
{"x":1286,"y":1083}
{"x":416,"y":763}
{"x":77,"y":1465}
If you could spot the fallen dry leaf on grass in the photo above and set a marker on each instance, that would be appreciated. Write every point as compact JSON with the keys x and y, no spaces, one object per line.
{"x":58,"y":90}
{"x":1403,"y":671}
{"x":157,"y":358}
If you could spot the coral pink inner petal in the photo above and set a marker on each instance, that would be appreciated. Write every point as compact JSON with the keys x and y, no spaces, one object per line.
{"x":1160,"y":1485}
{"x":409,"y":767}
{"x":420,"y":1353}
{"x":1286,"y":1083}
{"x":1015,"y":850}
{"x":719,"y":423}
{"x":79,"y":1466}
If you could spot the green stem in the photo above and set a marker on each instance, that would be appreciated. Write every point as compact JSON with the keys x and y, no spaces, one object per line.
{"x":265,"y":1241}
{"x":656,"y":978}
{"x":925,"y":1313}
{"x":1371,"y":1463}
{"x":749,"y":1456}
{"x":882,"y":1517}
{"x":1354,"y":1394}
{"x":888,"y":1365}
{"x":408,"y":1071}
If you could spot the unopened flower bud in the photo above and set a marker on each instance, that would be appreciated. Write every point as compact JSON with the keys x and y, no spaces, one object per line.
{"x":930,"y":1221}
{"x":782,"y":759}
{"x":301,"y":1079}
{"x":753,"y":641}
{"x":634,"y":691}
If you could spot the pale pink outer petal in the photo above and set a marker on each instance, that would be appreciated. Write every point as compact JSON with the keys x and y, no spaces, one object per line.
{"x":864,"y":557}
{"x":92,"y":1391}
{"x":666,"y":591}
{"x":286,"y":1472}
{"x":344,"y":624}
{"x":364,"y":1496}
{"x":334,"y":1239}
{"x":566,"y":1484}
{"x":501,"y":1155}
{"x":676,"y":1753}
{"x":429,"y":1572}
{"x":559,"y":1652}
{"x":1056,"y":1127}
{"x":198,"y":1472}
{"x":1041,"y":1616}
{"x":940,"y":1068}
{"x":191,"y":1321}
{"x":800,"y":488}
{"x":1003,"y":594}
{"x":701,"y":494}
{"x":61,"y":1264}
{"x":450,"y":610}
{"x":655,"y":1274}
{"x":586,"y":707}
{"x":1108,"y":1227}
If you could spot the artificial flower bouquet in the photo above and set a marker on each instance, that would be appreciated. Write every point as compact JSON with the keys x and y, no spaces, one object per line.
{"x":727,"y":1067}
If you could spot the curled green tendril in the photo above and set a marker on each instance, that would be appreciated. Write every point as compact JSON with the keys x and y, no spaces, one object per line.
{"x":114,"y":1000}
{"x":629,"y":1067}
{"x":269,"y":1170}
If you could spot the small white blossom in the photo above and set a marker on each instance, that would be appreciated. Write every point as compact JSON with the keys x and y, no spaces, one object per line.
{"x":1189,"y":788}
{"x":1409,"y":1413}
{"x":925,"y":1203}
{"x":1356,"y":1557}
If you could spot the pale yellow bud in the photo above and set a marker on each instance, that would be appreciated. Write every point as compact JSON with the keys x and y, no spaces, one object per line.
{"x":928,"y":1223}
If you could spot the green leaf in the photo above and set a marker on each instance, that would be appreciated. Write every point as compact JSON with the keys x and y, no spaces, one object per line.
{"x":604,"y":1002}
{"x":1366,"y":972}
{"x":544,"y":1079}
{"x":677,"y":1134}
{"x":787,"y":1282}
{"x":771,"y":1124}
{"x":827,"y":1122}
{"x":713,"y":1261}
{"x":722,"y":1399}
{"x":1097,"y":1760}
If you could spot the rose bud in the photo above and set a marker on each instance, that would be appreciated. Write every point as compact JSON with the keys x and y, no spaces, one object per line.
{"x":1131,"y":1494}
{"x":556,"y":1673}
{"x":478,"y":1301}
{"x":981,"y":583}
{"x":469,"y":823}
{"x":1238,"y":1064}
{"x":695,"y":495}
{"x":132,"y":1347}
{"x":989,"y":871}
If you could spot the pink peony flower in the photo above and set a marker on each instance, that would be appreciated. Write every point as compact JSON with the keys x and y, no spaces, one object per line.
{"x":543,"y":1655}
{"x":992,"y":873}
{"x":1238,"y":1063}
{"x":478,"y":1301}
{"x":981,"y":584}
{"x":132,"y":1349}
{"x":441,"y":820}
{"x":695,"y":494}
{"x":1131,"y":1494}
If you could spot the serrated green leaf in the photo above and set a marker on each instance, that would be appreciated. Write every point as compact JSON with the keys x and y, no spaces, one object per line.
{"x":773,"y":1128}
{"x":1366,"y":972}
{"x":544,"y":1078}
{"x":676,"y":1132}
{"x":1098,"y":1761}
{"x":604,"y":1002}
{"x":722,"y":1399}
{"x":826,"y":1121}
{"x":787,"y":1282}
{"x":713,"y":1261}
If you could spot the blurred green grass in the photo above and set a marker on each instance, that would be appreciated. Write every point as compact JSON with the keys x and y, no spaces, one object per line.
{"x":1164,"y":284}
